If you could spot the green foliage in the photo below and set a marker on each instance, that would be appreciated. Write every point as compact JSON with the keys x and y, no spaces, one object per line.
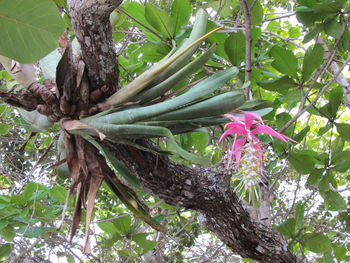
{"x":33,"y":38}
{"x":309,"y":179}
{"x":284,"y":61}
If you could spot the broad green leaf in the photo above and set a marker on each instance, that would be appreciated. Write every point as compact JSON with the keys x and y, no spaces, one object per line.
{"x":136,"y":10}
{"x":285,"y":61}
{"x":299,"y":216}
{"x":312,"y":60}
{"x":30,"y":29}
{"x":333,"y":28}
{"x":328,"y":257}
{"x":159,"y":19}
{"x":70,"y":259}
{"x":7,"y":233}
{"x":33,"y":231}
{"x":341,"y":161}
{"x":327,"y":181}
{"x":257,"y":13}
{"x":314,"y":177}
{"x":200,"y":141}
{"x":127,"y":253}
{"x":142,"y":241}
{"x":301,"y":135}
{"x":59,"y":193}
{"x":318,"y":243}
{"x":3,"y":223}
{"x":343,"y":130}
{"x":313,"y":33}
{"x":335,"y":99}
{"x":153,"y":52}
{"x":123,"y":224}
{"x":324,"y":129}
{"x":235,"y":48}
{"x":305,"y":15}
{"x":279,"y":85}
{"x":328,"y":7}
{"x":5,"y":251}
{"x":108,"y":227}
{"x":334,"y":201}
{"x":218,"y":39}
{"x":337,"y":145}
{"x":287,"y":229}
{"x":181,"y":11}
{"x":302,"y":161}
{"x":339,"y":252}
{"x":4,"y":128}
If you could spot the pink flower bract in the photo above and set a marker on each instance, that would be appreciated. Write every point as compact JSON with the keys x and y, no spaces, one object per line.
{"x":247,"y":127}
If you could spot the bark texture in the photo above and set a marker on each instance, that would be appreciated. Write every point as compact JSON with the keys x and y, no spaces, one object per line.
{"x":91,"y":24}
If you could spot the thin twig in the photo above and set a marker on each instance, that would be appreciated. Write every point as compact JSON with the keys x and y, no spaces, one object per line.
{"x":248,"y":43}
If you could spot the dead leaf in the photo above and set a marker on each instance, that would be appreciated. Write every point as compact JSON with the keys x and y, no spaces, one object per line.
{"x":70,"y":125}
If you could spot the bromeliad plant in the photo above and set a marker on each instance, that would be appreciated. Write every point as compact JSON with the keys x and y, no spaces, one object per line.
{"x":247,"y":151}
{"x":139,"y":111}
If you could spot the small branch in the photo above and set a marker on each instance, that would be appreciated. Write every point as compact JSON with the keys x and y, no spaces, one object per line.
{"x":302,"y":109}
{"x":279,"y":17}
{"x":248,"y":44}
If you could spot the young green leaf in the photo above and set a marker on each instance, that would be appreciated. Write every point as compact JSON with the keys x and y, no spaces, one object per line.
{"x":159,"y":19}
{"x":312,"y":60}
{"x":302,"y":161}
{"x":343,"y":130}
{"x":317,"y":243}
{"x":180,"y":14}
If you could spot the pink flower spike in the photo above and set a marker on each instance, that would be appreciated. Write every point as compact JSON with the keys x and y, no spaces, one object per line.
{"x":233,"y":130}
{"x":249,"y":118}
{"x":237,"y":148}
{"x":265,"y":129}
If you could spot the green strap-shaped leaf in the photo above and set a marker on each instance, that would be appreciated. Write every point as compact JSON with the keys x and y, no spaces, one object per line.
{"x":127,"y":196}
{"x":29,"y":29}
{"x":170,"y":82}
{"x":122,"y":170}
{"x":203,"y":88}
{"x":113,"y":131}
{"x":214,"y":106}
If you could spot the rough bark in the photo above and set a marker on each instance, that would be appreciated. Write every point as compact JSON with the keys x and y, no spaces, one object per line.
{"x":204,"y":189}
{"x":91,"y":24}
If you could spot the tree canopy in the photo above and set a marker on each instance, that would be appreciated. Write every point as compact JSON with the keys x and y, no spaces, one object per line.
{"x":174,"y":131}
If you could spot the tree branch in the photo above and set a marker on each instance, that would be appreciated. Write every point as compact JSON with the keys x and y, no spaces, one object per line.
{"x":206,"y":190}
